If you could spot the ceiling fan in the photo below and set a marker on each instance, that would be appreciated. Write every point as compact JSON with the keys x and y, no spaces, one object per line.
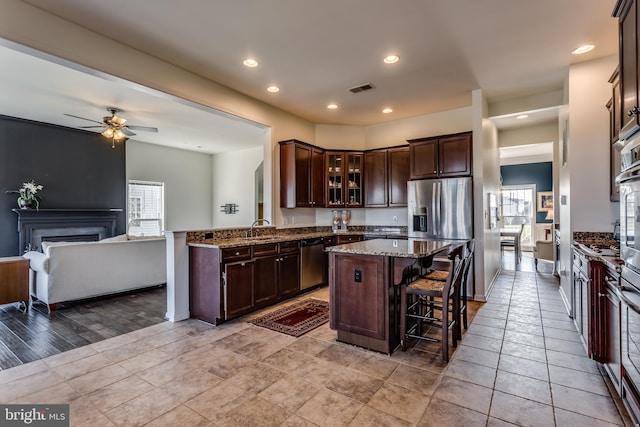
{"x":114,"y":126}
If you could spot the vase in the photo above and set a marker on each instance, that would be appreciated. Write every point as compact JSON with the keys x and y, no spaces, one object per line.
{"x":26,"y":204}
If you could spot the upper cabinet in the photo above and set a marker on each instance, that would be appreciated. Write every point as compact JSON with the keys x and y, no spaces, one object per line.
{"x":386,"y":176}
{"x":344,"y":171}
{"x":627,"y":12}
{"x":301,"y":175}
{"x":443,"y":156}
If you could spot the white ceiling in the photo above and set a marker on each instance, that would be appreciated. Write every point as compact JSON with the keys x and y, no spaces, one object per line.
{"x":316,"y":50}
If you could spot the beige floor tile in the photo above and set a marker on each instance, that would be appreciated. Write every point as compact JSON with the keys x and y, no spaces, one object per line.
{"x":521,"y":411}
{"x":463,"y":393}
{"x":476,"y":355}
{"x":567,"y":418}
{"x":98,"y":419}
{"x":145,"y":360}
{"x":494,"y":422}
{"x":213,"y":403}
{"x":190,"y":384}
{"x":82,"y":412}
{"x":70,"y":356}
{"x":296,"y":421}
{"x":472,"y":372}
{"x":142,"y":409}
{"x":289,"y":392}
{"x":356,"y":385}
{"x":233,"y":342}
{"x":180,"y":416}
{"x":97,"y":379}
{"x":371,"y":417}
{"x":526,"y":387}
{"x":308,"y":345}
{"x":126,"y":351}
{"x":572,"y":361}
{"x":57,"y":394}
{"x":28,"y":385}
{"x":525,"y":367}
{"x":317,"y":371}
{"x":578,"y":379}
{"x":440,"y":413}
{"x":259,"y":350}
{"x":524,"y":351}
{"x":340,"y":354}
{"x":524,"y":338}
{"x":254,"y":412}
{"x":228,"y":365}
{"x":22,"y":371}
{"x":585,"y":403}
{"x":255,"y":377}
{"x":375,"y":365}
{"x":400,"y":402}
{"x":111,"y":343}
{"x":416,"y":379}
{"x":82,"y":366}
{"x":287,"y":360}
{"x":119,"y":392}
{"x":483,"y":343}
{"x":165,"y":372}
{"x":329,"y":409}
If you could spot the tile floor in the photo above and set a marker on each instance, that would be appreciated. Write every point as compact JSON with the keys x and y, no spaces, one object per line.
{"x":520,"y":363}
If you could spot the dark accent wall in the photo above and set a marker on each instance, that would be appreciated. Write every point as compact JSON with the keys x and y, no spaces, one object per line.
{"x":78,"y":169}
{"x":540,"y":174}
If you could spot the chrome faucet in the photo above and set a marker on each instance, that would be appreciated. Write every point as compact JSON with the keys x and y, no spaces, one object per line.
{"x":256,"y":222}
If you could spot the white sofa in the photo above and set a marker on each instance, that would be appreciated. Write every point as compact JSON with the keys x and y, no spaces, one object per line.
{"x":67,"y":271}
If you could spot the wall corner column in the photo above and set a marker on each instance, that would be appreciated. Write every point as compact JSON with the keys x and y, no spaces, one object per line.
{"x":177,"y":276}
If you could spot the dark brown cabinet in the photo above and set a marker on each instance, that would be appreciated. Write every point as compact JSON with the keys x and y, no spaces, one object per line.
{"x":239,"y":278}
{"x":301,"y":175}
{"x":443,"y":156}
{"x":359,"y":295}
{"x":614,"y":106}
{"x":611,"y":306}
{"x":344,"y":172}
{"x":228,"y":283}
{"x":627,"y":13}
{"x":385,"y":178}
{"x":351,"y":238}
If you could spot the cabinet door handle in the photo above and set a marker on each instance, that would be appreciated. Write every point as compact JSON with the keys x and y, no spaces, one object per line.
{"x":633,"y":111}
{"x":601,"y":295}
{"x":237,"y":253}
{"x":243,"y":264}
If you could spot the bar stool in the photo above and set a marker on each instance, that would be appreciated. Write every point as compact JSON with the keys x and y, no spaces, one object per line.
{"x":421,"y":299}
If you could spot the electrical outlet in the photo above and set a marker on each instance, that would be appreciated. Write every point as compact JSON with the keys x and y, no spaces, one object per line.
{"x":395,"y":218}
{"x":357,"y":276}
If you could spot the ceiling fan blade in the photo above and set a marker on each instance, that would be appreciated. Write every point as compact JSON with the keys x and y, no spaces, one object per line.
{"x":127,"y":131}
{"x":91,"y":127}
{"x":83,"y":118}
{"x":143,"y":128}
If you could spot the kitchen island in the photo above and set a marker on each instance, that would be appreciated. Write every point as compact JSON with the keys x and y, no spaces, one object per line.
{"x":364,"y":280}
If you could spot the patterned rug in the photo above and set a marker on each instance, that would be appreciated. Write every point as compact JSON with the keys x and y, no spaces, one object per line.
{"x":296,"y":319}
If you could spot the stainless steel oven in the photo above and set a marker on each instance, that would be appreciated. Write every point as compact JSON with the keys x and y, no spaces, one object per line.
{"x":629,"y":180}
{"x":629,"y":293}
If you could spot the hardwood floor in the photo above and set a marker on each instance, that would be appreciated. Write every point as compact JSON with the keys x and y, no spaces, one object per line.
{"x":35,"y":334}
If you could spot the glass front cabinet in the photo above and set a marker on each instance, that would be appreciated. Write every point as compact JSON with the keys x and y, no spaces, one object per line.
{"x":344,"y":179}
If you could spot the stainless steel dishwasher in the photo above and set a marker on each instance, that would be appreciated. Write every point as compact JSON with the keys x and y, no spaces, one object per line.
{"x":312,"y":260}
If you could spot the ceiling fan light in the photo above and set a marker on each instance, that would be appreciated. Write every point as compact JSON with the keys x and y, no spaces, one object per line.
{"x":118,"y":135}
{"x":108,"y":133}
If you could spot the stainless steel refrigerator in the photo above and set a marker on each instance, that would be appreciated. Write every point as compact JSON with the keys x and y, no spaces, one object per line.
{"x":441,"y":208}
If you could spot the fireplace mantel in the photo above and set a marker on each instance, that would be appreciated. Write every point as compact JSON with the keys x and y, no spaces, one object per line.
{"x":34,"y":226}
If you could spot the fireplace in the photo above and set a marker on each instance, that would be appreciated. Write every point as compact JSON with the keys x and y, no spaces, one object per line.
{"x":68,"y":225}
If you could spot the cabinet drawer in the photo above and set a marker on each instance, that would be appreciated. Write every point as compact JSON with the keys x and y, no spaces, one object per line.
{"x":265,"y":250}
{"x":329,"y":241}
{"x":579,"y":262}
{"x":341,"y":240}
{"x":289,"y":247}
{"x":236,"y":254}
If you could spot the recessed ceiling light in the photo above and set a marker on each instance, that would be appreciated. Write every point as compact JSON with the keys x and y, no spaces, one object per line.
{"x":273,"y":89}
{"x":583,"y":49}
{"x":250,"y":62}
{"x":387,"y":110}
{"x":391,"y":59}
{"x":522,"y":116}
{"x":332,"y":106}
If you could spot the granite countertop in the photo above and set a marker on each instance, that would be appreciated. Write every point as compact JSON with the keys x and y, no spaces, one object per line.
{"x":275,"y":238}
{"x":612,"y":261}
{"x":411,"y":248}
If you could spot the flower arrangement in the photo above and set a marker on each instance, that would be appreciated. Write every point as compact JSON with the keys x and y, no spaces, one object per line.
{"x":27,"y":195}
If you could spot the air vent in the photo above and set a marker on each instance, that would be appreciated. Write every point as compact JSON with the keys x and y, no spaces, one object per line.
{"x":362,"y":88}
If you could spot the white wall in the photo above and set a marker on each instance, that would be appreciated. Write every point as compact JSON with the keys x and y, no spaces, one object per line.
{"x":589,"y":91}
{"x":544,"y":132}
{"x":486,"y":179}
{"x":233,"y":181}
{"x":187,"y":182}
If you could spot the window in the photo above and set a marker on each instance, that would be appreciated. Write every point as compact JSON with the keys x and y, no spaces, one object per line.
{"x":519,"y":207}
{"x":146,"y":208}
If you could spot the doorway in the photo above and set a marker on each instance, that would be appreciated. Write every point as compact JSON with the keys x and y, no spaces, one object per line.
{"x":518,"y":207}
